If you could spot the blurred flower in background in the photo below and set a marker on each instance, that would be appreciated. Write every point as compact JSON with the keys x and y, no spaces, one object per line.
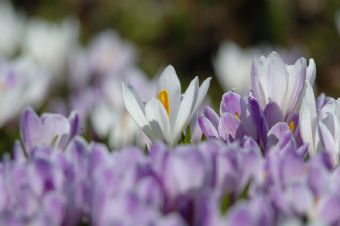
{"x":96,"y":74}
{"x":12,"y":24}
{"x":268,"y":155}
{"x":49,"y":44}
{"x":232,"y":66}
{"x":22,"y":83}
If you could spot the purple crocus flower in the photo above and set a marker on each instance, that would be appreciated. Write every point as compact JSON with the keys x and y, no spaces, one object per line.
{"x":47,"y":130}
{"x":239,"y":116}
{"x":255,"y":212}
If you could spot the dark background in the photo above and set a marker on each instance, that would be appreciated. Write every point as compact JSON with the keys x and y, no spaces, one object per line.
{"x":188,"y":33}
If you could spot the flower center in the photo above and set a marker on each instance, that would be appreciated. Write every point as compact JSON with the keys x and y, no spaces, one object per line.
{"x":163,"y":96}
{"x":237,"y":115}
{"x":291,"y":126}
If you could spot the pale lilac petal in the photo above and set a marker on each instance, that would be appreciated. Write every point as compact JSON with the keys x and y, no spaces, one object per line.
{"x":231,"y":103}
{"x":30,"y":128}
{"x":212,"y":116}
{"x":207,"y":127}
{"x":228,"y":126}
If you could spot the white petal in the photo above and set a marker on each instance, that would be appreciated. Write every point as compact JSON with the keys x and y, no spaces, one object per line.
{"x":158,"y":119}
{"x":257,"y":80}
{"x":202,"y":92}
{"x":185,"y":110}
{"x":306,"y":127}
{"x":135,"y":108}
{"x":308,"y":117}
{"x":311,"y":71}
{"x":328,"y":141}
{"x":296,"y":81}
{"x":277,"y":79}
{"x":169,"y":81}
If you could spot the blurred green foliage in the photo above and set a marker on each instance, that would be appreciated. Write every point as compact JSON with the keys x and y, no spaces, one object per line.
{"x":187,"y":33}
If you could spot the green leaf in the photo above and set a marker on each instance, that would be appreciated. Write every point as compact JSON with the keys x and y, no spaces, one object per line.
{"x":186,"y":138}
{"x":226,"y":202}
{"x":244,"y":193}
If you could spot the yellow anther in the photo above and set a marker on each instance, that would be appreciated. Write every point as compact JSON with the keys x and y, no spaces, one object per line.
{"x":163,"y":96}
{"x":237,"y":115}
{"x":291,"y":126}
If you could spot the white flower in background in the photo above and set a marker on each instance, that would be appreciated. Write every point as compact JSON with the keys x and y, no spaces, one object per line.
{"x":22,"y":84}
{"x":117,"y":125}
{"x":166,"y":116}
{"x":12,"y":25}
{"x":232,"y":66}
{"x":49,"y":44}
{"x":110,"y":118}
{"x":78,"y":68}
{"x":108,"y":53}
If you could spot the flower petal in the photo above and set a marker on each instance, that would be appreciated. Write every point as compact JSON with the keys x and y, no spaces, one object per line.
{"x":231,"y":102}
{"x":211,"y":115}
{"x":277,"y":79}
{"x":272,"y":114}
{"x":307,"y":120}
{"x":207,"y":127}
{"x":30,"y":128}
{"x":170,"y":82}
{"x":257,"y":77}
{"x":185,"y":109}
{"x":135,"y":108}
{"x":202,"y":92}
{"x":311,"y":72}
{"x":296,"y":81}
{"x":228,"y":126}
{"x":158,"y":119}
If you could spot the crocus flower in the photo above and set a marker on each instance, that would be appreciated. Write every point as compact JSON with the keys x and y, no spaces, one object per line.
{"x":116,"y":124}
{"x":22,"y":83}
{"x":274,"y":81}
{"x":12,"y":25}
{"x":109,"y":54}
{"x":239,"y":116}
{"x":232,"y":66}
{"x":166,"y":116}
{"x":49,"y":44}
{"x":47,"y":130}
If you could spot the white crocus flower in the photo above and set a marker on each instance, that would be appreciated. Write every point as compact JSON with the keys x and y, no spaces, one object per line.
{"x":232,"y":66}
{"x":12,"y":25}
{"x":118,"y":125}
{"x":275,"y":81}
{"x":309,"y":120}
{"x":109,"y":54}
{"x":50,"y":44}
{"x":166,"y":116}
{"x":22,"y":84}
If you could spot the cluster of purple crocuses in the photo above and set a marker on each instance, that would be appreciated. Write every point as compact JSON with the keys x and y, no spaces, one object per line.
{"x":259,"y":165}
